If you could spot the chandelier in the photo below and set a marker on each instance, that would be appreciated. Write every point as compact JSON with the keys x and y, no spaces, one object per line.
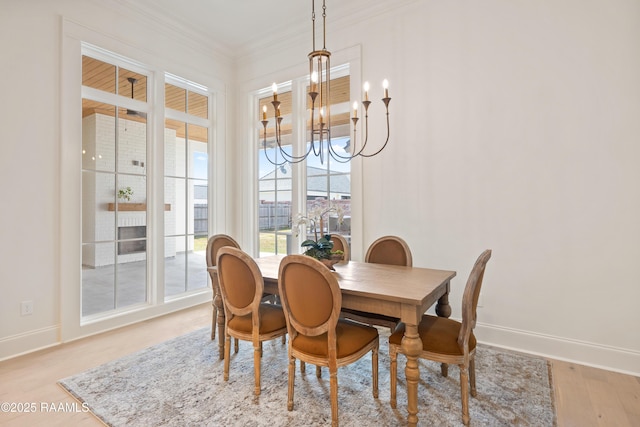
{"x":320,"y":96}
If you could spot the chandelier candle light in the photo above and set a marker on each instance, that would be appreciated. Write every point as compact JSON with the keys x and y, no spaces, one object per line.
{"x":319,"y":90}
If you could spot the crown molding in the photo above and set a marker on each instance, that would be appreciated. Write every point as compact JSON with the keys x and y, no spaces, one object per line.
{"x":163,"y":20}
{"x":339,"y":14}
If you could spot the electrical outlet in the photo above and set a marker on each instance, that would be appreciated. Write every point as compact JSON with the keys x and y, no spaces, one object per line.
{"x":26,"y":308}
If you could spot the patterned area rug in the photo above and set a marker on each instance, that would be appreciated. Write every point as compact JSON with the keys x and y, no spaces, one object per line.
{"x":179,"y":383}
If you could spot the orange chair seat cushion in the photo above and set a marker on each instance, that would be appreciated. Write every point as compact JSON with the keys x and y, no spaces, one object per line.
{"x":271,"y":319}
{"x":438,"y":335}
{"x":350,"y":338}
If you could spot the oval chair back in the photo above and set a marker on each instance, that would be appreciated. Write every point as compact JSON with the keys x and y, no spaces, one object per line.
{"x":214,"y":244}
{"x":470,"y":298}
{"x":340,"y":243}
{"x":246,"y":317}
{"x":391,"y":250}
{"x":312,"y":299}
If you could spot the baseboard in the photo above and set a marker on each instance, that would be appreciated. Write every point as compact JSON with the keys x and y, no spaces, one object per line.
{"x":28,"y":342}
{"x":584,"y":353}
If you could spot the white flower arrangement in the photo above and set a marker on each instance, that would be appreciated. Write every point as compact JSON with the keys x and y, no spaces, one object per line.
{"x":125,"y":193}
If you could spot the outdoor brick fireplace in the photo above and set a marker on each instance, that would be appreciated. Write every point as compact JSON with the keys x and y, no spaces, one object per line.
{"x":132,"y":246}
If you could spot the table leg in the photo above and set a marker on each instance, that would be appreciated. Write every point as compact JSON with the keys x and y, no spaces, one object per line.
{"x":443,"y":309}
{"x":412,"y":347}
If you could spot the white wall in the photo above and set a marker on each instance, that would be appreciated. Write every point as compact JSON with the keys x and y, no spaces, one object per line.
{"x":34,"y":85}
{"x":514,"y":127}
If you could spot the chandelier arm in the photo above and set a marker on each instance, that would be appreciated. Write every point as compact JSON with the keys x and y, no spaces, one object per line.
{"x":366,"y":131}
{"x":287,"y":158}
{"x":290,"y":157}
{"x":338,"y":157}
{"x":266,"y":155}
{"x":385,"y":142}
{"x":264,"y":147}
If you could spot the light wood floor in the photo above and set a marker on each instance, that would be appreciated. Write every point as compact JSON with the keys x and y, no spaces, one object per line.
{"x":583,"y":396}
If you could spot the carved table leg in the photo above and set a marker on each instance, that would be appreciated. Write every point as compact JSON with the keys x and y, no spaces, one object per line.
{"x":443,"y":309}
{"x":412,"y":347}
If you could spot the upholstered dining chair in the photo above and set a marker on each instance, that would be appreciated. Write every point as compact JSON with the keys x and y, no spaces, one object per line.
{"x":213,"y":245}
{"x":448,"y":341}
{"x":340,"y":243}
{"x":391,"y":250}
{"x":311,"y":299}
{"x":246,"y":317}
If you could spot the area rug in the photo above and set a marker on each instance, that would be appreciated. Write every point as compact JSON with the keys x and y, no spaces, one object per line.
{"x":180,"y":383}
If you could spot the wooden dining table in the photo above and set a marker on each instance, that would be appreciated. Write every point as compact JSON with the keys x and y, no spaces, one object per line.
{"x":402,"y":292}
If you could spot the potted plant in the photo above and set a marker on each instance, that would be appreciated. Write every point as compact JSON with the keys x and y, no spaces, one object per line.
{"x":125,"y":193}
{"x":318,"y":248}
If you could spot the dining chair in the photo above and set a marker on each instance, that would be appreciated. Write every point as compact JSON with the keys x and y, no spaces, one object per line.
{"x":448,"y":341}
{"x":311,"y":299}
{"x":340,"y":243}
{"x":213,"y":246}
{"x":390,"y":250}
{"x":246,"y":316}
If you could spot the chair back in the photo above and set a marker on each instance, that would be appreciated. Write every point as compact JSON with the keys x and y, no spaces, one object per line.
{"x":215,"y":243}
{"x":470,"y":298}
{"x":340,"y":243}
{"x":310,"y":296}
{"x":390,"y":250}
{"x":241,"y":283}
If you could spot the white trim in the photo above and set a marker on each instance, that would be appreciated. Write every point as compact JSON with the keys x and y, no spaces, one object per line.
{"x":28,"y":342}
{"x":75,"y":40}
{"x":40,"y":339}
{"x":553,"y":347}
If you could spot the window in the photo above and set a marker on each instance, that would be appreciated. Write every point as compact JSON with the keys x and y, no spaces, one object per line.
{"x":323,"y":185}
{"x":186,"y":162}
{"x":275,"y":181}
{"x":114,"y":187}
{"x":329,"y":181}
{"x":119,"y":253}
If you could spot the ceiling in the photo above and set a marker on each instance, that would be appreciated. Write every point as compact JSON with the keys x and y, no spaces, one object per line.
{"x":235,"y":26}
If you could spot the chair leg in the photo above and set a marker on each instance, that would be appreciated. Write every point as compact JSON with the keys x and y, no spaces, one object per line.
{"x":333,"y":381}
{"x":444,"y":369}
{"x":464,"y":391}
{"x":292,"y":378}
{"x":393,"y":373}
{"x":257,"y":355}
{"x":227,"y":350}
{"x":374,"y":369}
{"x":303,"y":367}
{"x":235,"y":348}
{"x":318,"y":372}
{"x":472,"y":376}
{"x":214,"y":317}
